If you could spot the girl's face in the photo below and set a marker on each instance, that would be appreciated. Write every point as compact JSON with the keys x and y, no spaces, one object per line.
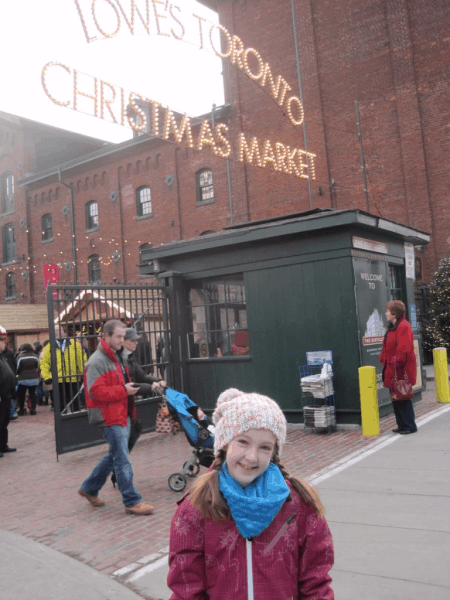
{"x":249,"y":454}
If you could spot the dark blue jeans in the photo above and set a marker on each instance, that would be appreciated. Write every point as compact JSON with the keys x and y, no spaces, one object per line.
{"x":404,"y":415}
{"x":117,"y":459}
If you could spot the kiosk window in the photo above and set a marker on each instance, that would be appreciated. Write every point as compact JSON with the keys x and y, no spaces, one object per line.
{"x":395,"y":283}
{"x":218,"y":318}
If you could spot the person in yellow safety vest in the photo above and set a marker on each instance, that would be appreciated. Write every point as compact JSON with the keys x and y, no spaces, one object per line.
{"x":70,"y":360}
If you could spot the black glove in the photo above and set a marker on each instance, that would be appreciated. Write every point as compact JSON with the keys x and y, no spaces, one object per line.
{"x":47,"y":381}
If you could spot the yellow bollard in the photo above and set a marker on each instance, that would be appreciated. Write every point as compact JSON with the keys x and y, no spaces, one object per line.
{"x":441,"y":374}
{"x":370,"y":414}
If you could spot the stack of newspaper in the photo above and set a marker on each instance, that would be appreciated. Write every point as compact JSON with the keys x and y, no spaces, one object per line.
{"x":317,"y":386}
{"x":319,"y":416}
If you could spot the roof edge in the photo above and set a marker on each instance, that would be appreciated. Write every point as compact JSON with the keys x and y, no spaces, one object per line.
{"x":308,"y":223}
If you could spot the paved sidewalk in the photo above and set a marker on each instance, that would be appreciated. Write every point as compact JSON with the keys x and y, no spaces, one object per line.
{"x":389,"y":515}
{"x":40,"y":500}
{"x":31,"y":571}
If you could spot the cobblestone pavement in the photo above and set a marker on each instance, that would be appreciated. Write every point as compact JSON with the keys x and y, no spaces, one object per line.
{"x":39,"y":493}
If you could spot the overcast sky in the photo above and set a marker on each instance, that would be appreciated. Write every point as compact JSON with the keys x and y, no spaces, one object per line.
{"x":172,"y":72}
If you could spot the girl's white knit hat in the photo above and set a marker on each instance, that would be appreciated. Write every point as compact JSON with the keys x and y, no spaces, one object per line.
{"x":237,"y":412}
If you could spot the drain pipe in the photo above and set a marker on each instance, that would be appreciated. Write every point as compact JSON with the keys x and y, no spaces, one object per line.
{"x":122,"y":231}
{"x":299,"y":77}
{"x":230,"y":196}
{"x":72,"y":218}
{"x":177,"y":180}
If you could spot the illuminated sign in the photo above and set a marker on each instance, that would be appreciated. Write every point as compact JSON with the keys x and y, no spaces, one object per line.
{"x":157,"y":17}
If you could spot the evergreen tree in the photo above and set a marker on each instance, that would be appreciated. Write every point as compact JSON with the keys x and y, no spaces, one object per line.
{"x":437,"y":329}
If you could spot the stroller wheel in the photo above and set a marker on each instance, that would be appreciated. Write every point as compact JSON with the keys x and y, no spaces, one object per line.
{"x":177,"y":482}
{"x":193,"y":469}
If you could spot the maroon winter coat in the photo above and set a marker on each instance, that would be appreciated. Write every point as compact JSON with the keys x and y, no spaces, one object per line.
{"x":208,"y":560}
{"x":398,"y":346}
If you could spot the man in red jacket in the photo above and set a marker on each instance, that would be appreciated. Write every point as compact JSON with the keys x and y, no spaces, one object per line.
{"x":108,"y":387}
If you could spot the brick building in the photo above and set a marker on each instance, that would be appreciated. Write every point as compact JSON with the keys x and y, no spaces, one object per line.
{"x":280,"y":58}
{"x":26,"y":148}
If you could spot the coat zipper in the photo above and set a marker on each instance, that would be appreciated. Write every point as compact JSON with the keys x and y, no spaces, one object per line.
{"x":268,"y":548}
{"x":248,"y":545}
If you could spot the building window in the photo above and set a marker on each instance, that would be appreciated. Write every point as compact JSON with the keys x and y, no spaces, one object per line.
{"x":395,"y":283}
{"x":94,"y":269}
{"x":46,"y":226}
{"x":205,"y":188}
{"x":91,"y":215}
{"x":9,"y":243}
{"x":418,"y":267}
{"x":147,"y":110}
{"x":10,"y":285}
{"x":142,"y":249}
{"x":218,"y":318}
{"x":7,"y":191}
{"x":144,"y":201}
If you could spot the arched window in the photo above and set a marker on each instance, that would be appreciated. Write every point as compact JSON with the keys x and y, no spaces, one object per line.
{"x":10,"y":285}
{"x":205,"y":188}
{"x":9,"y":243}
{"x":91,"y":215}
{"x":7,"y":191}
{"x":94,"y":269}
{"x":46,"y":226}
{"x":143,"y":201}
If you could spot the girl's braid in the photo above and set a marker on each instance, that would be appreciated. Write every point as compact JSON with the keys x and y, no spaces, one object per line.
{"x":219,"y":459}
{"x":307,"y":493}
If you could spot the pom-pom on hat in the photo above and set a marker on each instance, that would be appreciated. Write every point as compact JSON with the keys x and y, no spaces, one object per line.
{"x":237,"y":412}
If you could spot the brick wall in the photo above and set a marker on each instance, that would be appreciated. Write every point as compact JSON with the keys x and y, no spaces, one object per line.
{"x":392,"y":57}
{"x":176,"y":214}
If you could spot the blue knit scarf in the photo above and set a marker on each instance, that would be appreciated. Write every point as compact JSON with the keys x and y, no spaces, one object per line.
{"x":254,"y":508}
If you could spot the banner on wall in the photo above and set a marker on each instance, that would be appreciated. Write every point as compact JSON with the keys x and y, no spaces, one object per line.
{"x":51,"y":275}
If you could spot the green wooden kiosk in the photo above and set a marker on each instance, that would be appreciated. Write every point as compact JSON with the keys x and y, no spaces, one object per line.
{"x":248,"y":302}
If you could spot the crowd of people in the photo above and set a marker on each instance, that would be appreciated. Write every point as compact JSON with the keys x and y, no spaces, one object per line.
{"x":31,"y":366}
{"x":28,"y":391}
{"x":30,"y":371}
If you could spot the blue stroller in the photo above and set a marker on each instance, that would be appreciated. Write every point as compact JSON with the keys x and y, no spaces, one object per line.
{"x":198,"y":435}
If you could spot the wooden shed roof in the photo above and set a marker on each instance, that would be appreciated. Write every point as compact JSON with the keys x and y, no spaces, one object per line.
{"x":23,"y":317}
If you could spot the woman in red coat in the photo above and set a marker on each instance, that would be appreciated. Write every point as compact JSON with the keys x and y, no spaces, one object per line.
{"x":398,"y":356}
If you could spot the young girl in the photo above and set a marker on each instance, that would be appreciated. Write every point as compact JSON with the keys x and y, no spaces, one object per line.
{"x":248,"y":530}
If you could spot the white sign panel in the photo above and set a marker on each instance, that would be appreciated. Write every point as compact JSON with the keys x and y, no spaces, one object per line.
{"x":409,"y":261}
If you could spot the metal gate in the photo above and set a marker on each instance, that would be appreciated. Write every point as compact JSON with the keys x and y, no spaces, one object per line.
{"x":76,"y":317}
